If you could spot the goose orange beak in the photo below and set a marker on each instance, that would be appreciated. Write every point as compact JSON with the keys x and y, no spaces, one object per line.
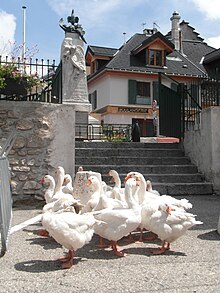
{"x":126,"y":178}
{"x":89,"y":181}
{"x":168,"y":210}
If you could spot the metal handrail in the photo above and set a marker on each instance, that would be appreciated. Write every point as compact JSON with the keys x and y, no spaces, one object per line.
{"x":105,"y":132}
{"x":207,"y":96}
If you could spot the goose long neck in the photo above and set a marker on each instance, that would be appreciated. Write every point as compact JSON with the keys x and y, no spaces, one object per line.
{"x":143,"y":184}
{"x":60,"y":180}
{"x":52,"y":184}
{"x":129,"y":197}
{"x":117,"y":181}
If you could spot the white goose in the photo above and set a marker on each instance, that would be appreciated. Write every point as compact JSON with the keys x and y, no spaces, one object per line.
{"x":170,"y":224}
{"x":58,"y":199}
{"x":109,"y":202}
{"x":68,"y":184}
{"x":60,"y":204}
{"x":151,"y":201}
{"x":99,"y":200}
{"x":104,"y":201}
{"x":150,"y":189}
{"x":117,"y":223}
{"x":115,"y":178}
{"x":143,"y":194}
{"x":71,"y":230}
{"x":48,"y":195}
{"x":117,"y":191}
{"x":58,"y":192}
{"x":95,"y":190}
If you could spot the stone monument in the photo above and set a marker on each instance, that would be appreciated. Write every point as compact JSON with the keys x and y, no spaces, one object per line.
{"x":74,"y":80}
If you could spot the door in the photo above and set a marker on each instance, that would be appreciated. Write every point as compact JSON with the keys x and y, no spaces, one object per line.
{"x":146,"y":126}
{"x":170,"y":115}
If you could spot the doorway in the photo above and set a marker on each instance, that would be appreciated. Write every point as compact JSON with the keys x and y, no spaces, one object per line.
{"x":146,"y":126}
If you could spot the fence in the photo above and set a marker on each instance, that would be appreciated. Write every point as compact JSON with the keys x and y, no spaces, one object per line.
{"x":5,"y":193}
{"x":42,"y":73}
{"x":106,"y":132}
{"x":197,"y":96}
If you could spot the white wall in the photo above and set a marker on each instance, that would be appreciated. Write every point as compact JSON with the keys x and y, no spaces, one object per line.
{"x":203,"y":146}
{"x":103,"y":91}
{"x":119,"y":90}
{"x":113,"y":90}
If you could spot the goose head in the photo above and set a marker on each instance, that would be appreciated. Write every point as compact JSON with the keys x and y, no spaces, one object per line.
{"x":165,"y":208}
{"x":67,"y":179}
{"x":46,"y":179}
{"x":94,"y":182}
{"x":113,"y":174}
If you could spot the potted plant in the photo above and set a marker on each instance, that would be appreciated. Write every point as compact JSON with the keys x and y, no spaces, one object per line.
{"x":15,"y":80}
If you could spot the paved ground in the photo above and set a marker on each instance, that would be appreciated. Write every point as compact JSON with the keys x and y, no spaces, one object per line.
{"x":192,"y":264}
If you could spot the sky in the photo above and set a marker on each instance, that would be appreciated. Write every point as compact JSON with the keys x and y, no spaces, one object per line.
{"x":107,"y":23}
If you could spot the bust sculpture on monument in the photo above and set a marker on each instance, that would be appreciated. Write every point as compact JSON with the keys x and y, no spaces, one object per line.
{"x":74,"y":80}
{"x":74,"y":26}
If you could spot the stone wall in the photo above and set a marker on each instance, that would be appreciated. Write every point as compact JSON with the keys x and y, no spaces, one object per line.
{"x":45,"y":135}
{"x":203,"y":146}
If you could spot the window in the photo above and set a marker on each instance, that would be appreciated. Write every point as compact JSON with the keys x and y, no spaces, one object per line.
{"x":139,"y":93}
{"x":151,"y":57}
{"x":143,"y":93}
{"x":93,"y":100}
{"x":155,"y":57}
{"x":100,"y":63}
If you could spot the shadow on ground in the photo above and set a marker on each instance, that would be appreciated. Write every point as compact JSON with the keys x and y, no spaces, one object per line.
{"x":211,"y":235}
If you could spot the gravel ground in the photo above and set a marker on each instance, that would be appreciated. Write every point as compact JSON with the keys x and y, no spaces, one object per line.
{"x":192,"y":264}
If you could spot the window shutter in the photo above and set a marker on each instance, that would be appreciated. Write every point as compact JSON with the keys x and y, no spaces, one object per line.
{"x":155,"y":92}
{"x":195,"y":95}
{"x":95,"y":99}
{"x":132,"y":91}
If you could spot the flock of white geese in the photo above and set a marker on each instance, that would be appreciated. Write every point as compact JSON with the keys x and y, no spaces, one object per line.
{"x":112,"y":212}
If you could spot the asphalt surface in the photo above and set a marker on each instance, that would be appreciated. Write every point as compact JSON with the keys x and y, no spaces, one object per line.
{"x":192,"y":265}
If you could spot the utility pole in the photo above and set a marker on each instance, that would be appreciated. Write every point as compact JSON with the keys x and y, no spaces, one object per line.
{"x":24,"y":31}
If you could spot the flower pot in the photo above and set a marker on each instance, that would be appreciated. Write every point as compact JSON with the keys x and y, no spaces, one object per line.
{"x":14,"y":87}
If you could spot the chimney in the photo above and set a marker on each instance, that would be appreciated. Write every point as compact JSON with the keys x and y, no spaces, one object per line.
{"x":149,"y":31}
{"x":175,"y":30}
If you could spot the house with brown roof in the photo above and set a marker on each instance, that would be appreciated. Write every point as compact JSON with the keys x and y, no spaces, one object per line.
{"x":123,"y":83}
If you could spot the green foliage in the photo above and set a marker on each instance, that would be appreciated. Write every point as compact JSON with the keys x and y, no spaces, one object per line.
{"x":10,"y":70}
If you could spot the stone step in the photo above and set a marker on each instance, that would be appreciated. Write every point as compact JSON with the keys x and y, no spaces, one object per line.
{"x":132,"y":152}
{"x":85,"y":160}
{"x":184,"y":189}
{"x":149,"y":169}
{"x":165,"y":164}
{"x":124,"y":145}
{"x":164,"y":178}
{"x":177,"y":189}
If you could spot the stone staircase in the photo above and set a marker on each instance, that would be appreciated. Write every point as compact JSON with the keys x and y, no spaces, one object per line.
{"x":165,"y":164}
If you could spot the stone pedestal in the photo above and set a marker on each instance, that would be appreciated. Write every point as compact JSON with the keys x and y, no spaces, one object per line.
{"x":74,"y":78}
{"x":82,"y":190}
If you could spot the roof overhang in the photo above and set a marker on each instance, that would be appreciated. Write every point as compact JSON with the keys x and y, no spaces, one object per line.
{"x":156,"y":38}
